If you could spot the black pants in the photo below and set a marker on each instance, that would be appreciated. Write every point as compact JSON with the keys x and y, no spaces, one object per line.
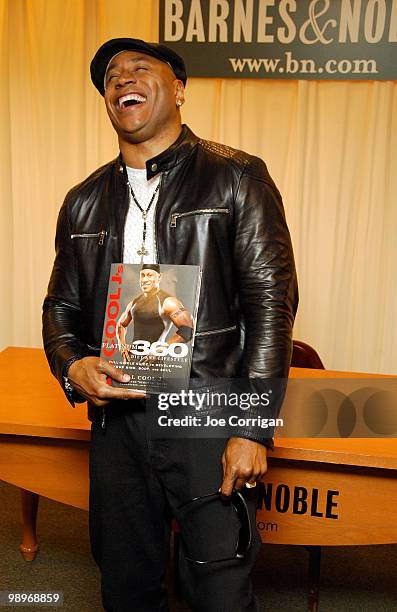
{"x":136,"y":486}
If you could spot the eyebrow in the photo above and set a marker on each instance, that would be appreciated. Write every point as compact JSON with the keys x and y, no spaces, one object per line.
{"x":132,"y":59}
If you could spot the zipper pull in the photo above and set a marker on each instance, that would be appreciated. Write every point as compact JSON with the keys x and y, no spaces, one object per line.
{"x":101,"y":236}
{"x":174,"y":217}
{"x":103,"y":418}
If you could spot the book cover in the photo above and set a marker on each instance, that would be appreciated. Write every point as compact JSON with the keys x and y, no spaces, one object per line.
{"x":150,"y":323}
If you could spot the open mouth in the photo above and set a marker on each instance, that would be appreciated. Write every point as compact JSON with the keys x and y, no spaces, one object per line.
{"x":131,"y":99}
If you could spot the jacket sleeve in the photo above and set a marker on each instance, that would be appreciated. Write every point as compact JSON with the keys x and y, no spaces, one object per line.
{"x":267,"y":288}
{"x":61,"y":308}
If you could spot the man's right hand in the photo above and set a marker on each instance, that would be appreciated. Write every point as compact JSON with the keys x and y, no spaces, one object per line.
{"x":88,"y":376}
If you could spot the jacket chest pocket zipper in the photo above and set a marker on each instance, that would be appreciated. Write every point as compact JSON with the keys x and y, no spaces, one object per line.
{"x":199,"y":211}
{"x":100,"y":235}
{"x":216,"y":331}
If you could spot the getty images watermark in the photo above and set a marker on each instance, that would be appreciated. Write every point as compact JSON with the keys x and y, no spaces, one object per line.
{"x":201,"y":401}
{"x":221,"y":409}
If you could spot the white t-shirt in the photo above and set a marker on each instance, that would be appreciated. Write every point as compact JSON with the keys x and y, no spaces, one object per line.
{"x":133,"y":230}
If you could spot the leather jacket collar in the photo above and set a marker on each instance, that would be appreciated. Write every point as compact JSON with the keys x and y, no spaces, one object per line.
{"x":169,"y":158}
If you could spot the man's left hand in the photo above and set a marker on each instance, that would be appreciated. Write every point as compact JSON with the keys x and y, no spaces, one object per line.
{"x":243,"y":461}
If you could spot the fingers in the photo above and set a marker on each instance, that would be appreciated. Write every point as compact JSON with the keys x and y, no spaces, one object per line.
{"x":103,"y":396}
{"x":236,"y":479}
{"x":106,"y":368}
{"x":243,"y":461}
{"x":240,"y":484}
{"x":228,"y":484}
{"x":246,"y":474}
{"x":107,"y":392}
{"x":88,"y":376}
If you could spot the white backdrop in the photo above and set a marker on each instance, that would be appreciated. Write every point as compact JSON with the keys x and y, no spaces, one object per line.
{"x":330,"y":146}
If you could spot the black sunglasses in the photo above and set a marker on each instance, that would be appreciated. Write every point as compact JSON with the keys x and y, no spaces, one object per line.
{"x":245,"y":534}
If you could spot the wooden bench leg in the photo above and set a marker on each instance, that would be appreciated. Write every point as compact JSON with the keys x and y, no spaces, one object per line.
{"x":314,"y":576}
{"x":29,"y":546}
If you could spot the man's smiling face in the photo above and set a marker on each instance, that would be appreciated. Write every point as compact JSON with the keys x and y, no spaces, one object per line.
{"x":149,"y":280}
{"x":141,"y":95}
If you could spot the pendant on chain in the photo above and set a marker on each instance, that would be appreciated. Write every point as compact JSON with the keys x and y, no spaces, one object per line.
{"x":142,"y":252}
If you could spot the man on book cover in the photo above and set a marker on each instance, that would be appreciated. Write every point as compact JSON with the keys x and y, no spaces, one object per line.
{"x":152,"y":314}
{"x":171,"y":197}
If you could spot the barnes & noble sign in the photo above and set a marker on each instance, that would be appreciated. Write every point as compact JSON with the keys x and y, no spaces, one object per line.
{"x":283,"y":39}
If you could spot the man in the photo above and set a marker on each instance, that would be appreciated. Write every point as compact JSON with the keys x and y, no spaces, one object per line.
{"x":169,"y":197}
{"x":153,"y":314}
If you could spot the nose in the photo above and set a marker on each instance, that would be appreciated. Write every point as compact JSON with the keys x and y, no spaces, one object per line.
{"x":125,"y":78}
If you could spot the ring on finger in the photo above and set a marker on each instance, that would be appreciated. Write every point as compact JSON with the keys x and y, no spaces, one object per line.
{"x":250,"y":485}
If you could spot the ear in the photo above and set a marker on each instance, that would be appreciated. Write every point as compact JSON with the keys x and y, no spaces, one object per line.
{"x":179,"y":93}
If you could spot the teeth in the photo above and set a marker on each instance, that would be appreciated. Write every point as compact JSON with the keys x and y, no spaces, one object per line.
{"x":132,"y":96}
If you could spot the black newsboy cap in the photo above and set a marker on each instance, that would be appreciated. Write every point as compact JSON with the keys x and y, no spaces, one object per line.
{"x":152,"y":266}
{"x":110,"y":48}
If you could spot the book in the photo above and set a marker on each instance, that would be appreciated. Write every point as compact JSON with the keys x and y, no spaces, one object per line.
{"x":150,"y":323}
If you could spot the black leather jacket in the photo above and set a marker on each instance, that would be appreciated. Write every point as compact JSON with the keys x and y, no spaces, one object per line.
{"x":218,"y":208}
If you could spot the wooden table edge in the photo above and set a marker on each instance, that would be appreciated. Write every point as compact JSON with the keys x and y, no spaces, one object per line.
{"x":45,"y":431}
{"x":330,"y":456}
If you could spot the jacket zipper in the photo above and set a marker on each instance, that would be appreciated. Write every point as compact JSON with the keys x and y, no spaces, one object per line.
{"x":100,"y":235}
{"x":216,"y":331}
{"x":199,"y":211}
